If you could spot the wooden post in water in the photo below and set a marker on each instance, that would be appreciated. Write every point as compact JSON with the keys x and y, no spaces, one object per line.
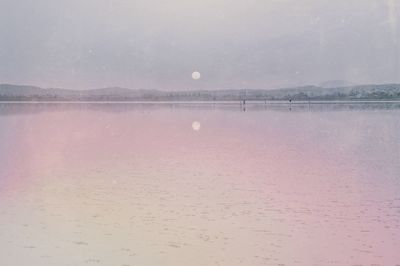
{"x":243,"y":101}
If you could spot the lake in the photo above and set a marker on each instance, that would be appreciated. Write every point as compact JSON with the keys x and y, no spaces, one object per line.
{"x":199,"y":184}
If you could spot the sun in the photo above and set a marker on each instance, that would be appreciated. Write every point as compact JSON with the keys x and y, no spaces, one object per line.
{"x":196,"y":75}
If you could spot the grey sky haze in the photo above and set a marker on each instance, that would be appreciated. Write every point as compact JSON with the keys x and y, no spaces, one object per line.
{"x":233,"y":44}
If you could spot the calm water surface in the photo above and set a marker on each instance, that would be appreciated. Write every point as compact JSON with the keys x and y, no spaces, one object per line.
{"x":131,"y":184}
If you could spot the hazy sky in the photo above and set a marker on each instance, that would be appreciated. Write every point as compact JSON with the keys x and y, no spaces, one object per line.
{"x":234,"y":44}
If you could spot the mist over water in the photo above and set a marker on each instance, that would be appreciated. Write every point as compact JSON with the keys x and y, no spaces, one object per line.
{"x":184,"y":184}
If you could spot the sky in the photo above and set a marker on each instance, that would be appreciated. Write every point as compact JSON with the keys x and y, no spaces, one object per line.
{"x":149,"y":44}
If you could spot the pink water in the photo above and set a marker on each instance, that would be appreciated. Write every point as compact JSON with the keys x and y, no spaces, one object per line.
{"x":125,"y":184}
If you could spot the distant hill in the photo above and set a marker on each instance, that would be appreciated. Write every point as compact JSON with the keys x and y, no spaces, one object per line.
{"x":10,"y":92}
{"x":336,"y":84}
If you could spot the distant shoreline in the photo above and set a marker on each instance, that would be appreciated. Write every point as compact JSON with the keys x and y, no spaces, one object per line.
{"x":248,"y":102}
{"x":314,"y":94}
